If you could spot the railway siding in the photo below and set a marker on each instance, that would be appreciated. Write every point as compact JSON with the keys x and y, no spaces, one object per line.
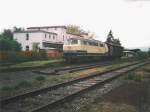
{"x":52,"y":97}
{"x":51,"y":80}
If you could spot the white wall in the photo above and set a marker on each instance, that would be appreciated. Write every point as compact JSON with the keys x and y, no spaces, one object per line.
{"x":34,"y":37}
{"x":61,"y":33}
{"x":49,"y":37}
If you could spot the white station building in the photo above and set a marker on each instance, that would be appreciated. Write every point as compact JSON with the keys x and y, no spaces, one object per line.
{"x":47,"y":37}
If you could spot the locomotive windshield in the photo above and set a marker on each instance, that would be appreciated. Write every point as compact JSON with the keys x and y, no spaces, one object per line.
{"x":71,"y":41}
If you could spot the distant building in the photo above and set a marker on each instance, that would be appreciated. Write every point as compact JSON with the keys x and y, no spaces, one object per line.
{"x":131,"y":52}
{"x":29,"y":38}
{"x":59,"y":30}
{"x":46,"y":37}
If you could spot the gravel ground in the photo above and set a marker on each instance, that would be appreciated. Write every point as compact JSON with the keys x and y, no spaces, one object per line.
{"x":76,"y":104}
{"x":53,"y":95}
{"x":120,"y":95}
{"x":12,"y":78}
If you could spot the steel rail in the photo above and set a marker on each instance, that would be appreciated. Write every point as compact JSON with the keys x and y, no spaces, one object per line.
{"x":72,"y":96}
{"x":60,"y":71}
{"x":36,"y":92}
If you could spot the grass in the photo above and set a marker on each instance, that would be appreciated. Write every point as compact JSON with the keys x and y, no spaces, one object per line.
{"x":31,"y":64}
{"x":108,"y":107}
{"x":134,"y":77}
{"x":24,"y":84}
{"x":40,"y":78}
{"x":125,"y":99}
{"x":147,"y":68}
{"x":139,"y":75}
{"x":7,"y":88}
{"x":36,"y":63}
{"x":55,"y":79}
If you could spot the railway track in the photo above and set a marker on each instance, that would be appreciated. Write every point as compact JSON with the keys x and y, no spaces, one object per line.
{"x":46,"y":98}
{"x":63,"y":70}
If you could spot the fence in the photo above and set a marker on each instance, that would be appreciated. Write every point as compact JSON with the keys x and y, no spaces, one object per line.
{"x":12,"y":56}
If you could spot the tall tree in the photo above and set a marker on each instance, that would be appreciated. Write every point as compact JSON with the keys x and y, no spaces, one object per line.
{"x":18,"y":29}
{"x":73,"y":29}
{"x":7,"y":43}
{"x":110,"y":36}
{"x":7,"y":33}
{"x":111,"y":39}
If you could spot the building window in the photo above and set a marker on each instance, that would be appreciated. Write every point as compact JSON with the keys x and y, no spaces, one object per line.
{"x":55,"y":28}
{"x":27,"y":48}
{"x":45,"y":35}
{"x":63,"y":37}
{"x":27,"y":36}
{"x":49,"y":36}
{"x":53,"y":37}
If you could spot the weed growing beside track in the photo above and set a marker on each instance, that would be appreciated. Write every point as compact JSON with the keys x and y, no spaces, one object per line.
{"x":132,"y":96}
{"x":42,"y":99}
{"x":30,"y":65}
{"x":41,"y":82}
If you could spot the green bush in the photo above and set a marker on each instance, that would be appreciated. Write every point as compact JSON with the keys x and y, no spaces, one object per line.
{"x":134,"y":77}
{"x":130,"y":76}
{"x":9,"y":44}
{"x":43,"y":54}
{"x":143,"y":55}
{"x":138,"y":78}
{"x":40,"y":78}
{"x":24,"y":84}
{"x":7,"y":88}
{"x":146,"y":69}
{"x":16,"y":57}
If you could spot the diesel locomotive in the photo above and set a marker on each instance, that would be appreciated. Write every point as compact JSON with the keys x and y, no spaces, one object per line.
{"x":80,"y":49}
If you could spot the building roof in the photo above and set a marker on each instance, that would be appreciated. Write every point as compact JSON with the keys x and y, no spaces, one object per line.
{"x":41,"y":27}
{"x":35,"y":31}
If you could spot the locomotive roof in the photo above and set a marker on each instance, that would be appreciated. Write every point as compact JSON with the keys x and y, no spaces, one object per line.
{"x":89,"y":40}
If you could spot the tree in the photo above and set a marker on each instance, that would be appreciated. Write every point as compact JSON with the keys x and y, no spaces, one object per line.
{"x":7,"y":33}
{"x":18,"y":29}
{"x":149,"y":51}
{"x":110,"y":36}
{"x":73,"y":29}
{"x":35,"y":46}
{"x":111,"y":39}
{"x":7,"y":43}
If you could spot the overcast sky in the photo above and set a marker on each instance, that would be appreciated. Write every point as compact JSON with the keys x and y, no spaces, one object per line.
{"x":128,"y":19}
